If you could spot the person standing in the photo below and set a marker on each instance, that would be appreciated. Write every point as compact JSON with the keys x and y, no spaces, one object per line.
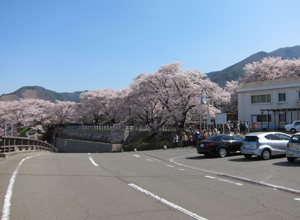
{"x":248,"y":126}
{"x":241,"y":127}
{"x":184,"y":139}
{"x":245,"y":128}
{"x":190,"y":143}
{"x":175,"y":141}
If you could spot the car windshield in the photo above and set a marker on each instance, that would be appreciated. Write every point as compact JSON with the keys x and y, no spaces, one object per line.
{"x":283,"y":137}
{"x":272,"y":137}
{"x":227,"y":138}
{"x":213,"y":138}
{"x":237,"y":138}
{"x":251,"y":138}
{"x":295,"y":139}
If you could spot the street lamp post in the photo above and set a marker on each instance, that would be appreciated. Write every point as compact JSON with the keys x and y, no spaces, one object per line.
{"x":129,"y":128}
{"x":12,"y":126}
{"x":201,"y":108}
{"x":5,"y":134}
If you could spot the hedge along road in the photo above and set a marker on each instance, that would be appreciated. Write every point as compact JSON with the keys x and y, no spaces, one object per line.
{"x":140,"y":185}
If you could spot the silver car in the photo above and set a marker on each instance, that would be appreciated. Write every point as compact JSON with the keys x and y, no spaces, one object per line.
{"x":265,"y":144}
{"x":293,"y":148}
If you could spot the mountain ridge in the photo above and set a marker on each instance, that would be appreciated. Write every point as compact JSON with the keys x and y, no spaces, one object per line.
{"x":38,"y":92}
{"x":232,"y":72}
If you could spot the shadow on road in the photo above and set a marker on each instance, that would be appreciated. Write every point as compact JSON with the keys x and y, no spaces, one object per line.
{"x":288,"y":164}
{"x":242,"y":159}
{"x":198,"y":158}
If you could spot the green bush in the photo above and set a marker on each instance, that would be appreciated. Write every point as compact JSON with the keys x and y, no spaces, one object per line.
{"x":23,"y":132}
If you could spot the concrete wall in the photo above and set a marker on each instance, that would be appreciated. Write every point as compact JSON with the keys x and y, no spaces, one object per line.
{"x":78,"y":146}
{"x":87,"y":131}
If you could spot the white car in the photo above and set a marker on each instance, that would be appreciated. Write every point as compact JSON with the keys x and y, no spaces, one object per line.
{"x":265,"y":144}
{"x":293,"y":148}
{"x":294,"y":127}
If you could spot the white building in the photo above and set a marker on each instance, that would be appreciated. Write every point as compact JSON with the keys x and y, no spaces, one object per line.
{"x":271,"y":104}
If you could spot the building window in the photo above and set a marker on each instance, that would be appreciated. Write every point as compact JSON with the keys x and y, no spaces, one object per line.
{"x":281,"y":97}
{"x":261,"y":118}
{"x":299,"y":96}
{"x":261,"y":98}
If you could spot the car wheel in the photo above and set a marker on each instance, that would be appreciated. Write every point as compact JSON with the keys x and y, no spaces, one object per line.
{"x":293,"y":130}
{"x":291,"y":159}
{"x":222,"y":152}
{"x":266,"y":154}
{"x":248,"y":156}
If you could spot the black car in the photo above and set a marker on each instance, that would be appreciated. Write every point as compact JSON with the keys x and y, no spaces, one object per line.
{"x":220,"y":145}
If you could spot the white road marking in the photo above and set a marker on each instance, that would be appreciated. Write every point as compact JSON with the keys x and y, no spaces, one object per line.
{"x":10,"y":189}
{"x":169,"y":166}
{"x":276,"y":187}
{"x":211,"y":177}
{"x":136,"y":155}
{"x":297,"y":199}
{"x":183,"y":210}
{"x":150,"y":160}
{"x":93,"y":162}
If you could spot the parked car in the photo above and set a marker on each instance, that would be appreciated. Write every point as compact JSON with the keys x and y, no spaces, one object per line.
{"x":220,"y":145}
{"x":265,"y":144}
{"x":294,"y":127}
{"x":293,"y":148}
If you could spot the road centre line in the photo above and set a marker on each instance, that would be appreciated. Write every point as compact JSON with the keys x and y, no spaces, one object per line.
{"x":9,"y":192}
{"x":272,"y":186}
{"x":151,"y":158}
{"x":93,"y":162}
{"x":183,"y":210}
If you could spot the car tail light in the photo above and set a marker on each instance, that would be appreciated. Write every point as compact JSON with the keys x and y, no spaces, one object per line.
{"x":257,"y":144}
{"x":287,"y":145}
{"x":209,"y":144}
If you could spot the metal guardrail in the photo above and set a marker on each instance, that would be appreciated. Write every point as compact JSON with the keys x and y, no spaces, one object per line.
{"x":14,"y":144}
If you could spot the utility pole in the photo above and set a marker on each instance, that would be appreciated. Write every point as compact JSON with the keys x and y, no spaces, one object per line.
{"x":201,"y":108}
{"x":12,"y":126}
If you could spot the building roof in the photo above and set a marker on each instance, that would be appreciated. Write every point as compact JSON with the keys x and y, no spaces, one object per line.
{"x":269,"y":84}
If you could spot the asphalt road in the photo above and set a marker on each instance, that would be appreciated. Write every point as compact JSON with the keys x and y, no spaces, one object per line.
{"x":162,"y":184}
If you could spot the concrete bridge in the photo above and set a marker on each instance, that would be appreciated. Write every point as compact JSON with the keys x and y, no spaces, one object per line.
{"x":12,"y":145}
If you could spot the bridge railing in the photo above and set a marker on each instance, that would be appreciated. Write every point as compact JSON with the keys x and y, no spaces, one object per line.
{"x":13,"y":144}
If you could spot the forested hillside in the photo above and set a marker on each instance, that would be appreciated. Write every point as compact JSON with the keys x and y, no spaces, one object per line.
{"x":235,"y":71}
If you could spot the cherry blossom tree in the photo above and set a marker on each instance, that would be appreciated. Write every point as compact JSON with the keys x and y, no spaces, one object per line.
{"x":120,"y":107}
{"x":96,"y":103}
{"x":30,"y":113}
{"x":271,"y":68}
{"x":232,"y":105}
{"x":173,"y":94}
{"x":63,"y":111}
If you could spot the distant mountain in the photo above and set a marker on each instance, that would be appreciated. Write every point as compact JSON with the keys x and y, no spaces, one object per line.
{"x":235,"y":71}
{"x":37,"y":92}
{"x":220,"y":77}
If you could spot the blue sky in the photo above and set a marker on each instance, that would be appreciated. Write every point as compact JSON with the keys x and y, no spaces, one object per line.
{"x":76,"y":45}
